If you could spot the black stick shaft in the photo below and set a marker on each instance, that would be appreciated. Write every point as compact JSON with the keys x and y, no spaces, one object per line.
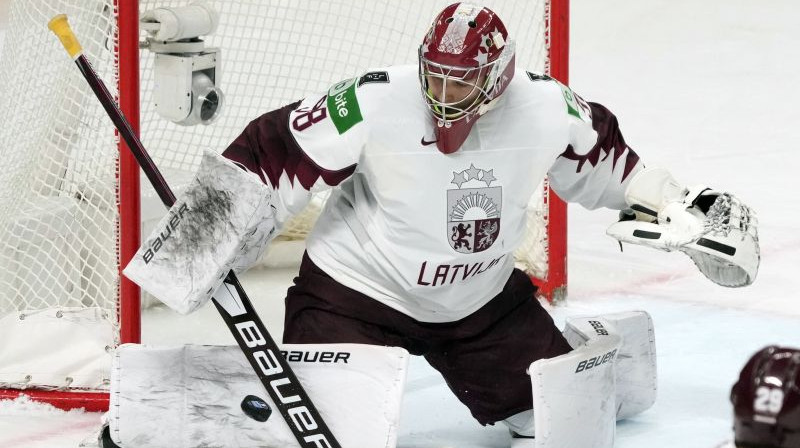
{"x":126,"y":132}
{"x":250,"y":333}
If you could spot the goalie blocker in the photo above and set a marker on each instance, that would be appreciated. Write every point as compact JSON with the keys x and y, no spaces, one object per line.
{"x":221,"y":223}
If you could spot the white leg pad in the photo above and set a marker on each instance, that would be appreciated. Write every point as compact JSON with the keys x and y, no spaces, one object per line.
{"x":610,"y":375}
{"x":636,"y":375}
{"x":190,"y":396}
{"x":635,"y":366}
{"x":573,"y":394}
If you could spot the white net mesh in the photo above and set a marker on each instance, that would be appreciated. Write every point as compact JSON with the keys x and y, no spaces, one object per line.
{"x":275,"y":55}
{"x":58,"y":200}
{"x":58,"y":188}
{"x":272,"y":56}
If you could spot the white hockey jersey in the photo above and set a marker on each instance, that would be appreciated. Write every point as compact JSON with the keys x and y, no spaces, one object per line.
{"x":428,"y":234}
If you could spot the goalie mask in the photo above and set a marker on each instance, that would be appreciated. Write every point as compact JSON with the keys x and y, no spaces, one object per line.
{"x":465,"y":62}
{"x":766,"y":400}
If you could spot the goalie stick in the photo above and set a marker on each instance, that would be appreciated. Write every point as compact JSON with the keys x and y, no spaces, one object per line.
{"x":230,"y":299}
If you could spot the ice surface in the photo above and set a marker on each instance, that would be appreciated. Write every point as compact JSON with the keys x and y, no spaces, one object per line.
{"x":705,"y":89}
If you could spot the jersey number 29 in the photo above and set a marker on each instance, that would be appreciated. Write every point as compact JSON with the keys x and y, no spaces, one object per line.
{"x":768,"y":400}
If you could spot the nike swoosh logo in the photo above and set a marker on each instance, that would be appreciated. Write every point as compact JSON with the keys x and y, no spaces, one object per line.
{"x":424,"y":143}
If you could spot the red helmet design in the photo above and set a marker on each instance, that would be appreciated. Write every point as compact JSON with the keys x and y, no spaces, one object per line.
{"x":466,"y":50}
{"x":766,"y":399}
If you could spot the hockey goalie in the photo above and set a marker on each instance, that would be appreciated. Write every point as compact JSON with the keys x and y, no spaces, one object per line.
{"x":431,"y":168}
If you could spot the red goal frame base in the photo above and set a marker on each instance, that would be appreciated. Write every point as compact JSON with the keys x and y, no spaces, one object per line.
{"x":65,"y":400}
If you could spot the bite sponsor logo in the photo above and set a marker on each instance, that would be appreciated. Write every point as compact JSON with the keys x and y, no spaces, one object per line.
{"x":343,"y":104}
{"x":576,"y":106}
{"x":157,"y":243}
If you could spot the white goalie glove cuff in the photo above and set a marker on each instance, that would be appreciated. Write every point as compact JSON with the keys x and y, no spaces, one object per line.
{"x":223,"y":221}
{"x":650,"y":190}
{"x":716,"y":230}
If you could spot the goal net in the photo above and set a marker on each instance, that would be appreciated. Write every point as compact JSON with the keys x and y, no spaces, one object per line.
{"x":64,"y":213}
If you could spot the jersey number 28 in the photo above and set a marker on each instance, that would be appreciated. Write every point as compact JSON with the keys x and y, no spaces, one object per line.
{"x":306,"y":117}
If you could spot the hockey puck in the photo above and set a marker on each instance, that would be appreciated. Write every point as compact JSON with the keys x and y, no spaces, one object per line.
{"x":256,"y":408}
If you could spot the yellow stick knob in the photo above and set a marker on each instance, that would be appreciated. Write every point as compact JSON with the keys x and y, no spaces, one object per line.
{"x":60,"y":26}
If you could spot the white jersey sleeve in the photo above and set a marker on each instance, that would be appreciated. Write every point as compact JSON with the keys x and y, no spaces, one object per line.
{"x":303,"y":148}
{"x":597,"y":164}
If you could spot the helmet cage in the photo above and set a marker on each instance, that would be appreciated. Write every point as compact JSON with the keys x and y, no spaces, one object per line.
{"x":485,"y":80}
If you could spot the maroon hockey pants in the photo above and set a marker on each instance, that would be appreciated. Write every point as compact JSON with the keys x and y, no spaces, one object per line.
{"x":482,"y":357}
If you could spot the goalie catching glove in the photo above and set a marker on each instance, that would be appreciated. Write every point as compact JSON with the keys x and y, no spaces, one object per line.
{"x":715,"y":229}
